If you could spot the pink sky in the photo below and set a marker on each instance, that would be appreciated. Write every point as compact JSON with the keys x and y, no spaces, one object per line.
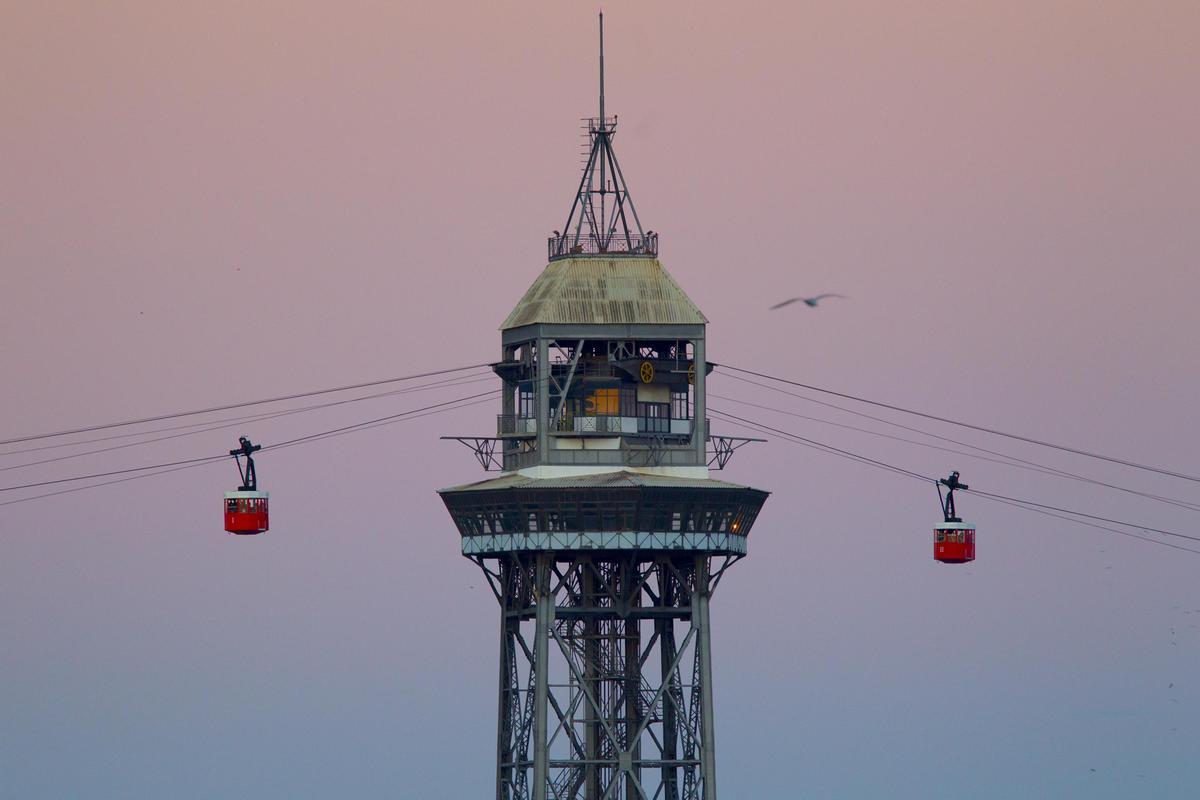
{"x":205,"y":203}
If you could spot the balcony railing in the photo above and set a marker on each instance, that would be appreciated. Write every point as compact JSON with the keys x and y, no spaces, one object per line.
{"x":516,"y":425}
{"x":635,"y":244}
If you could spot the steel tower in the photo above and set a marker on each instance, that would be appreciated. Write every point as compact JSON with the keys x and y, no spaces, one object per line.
{"x":603,"y":537}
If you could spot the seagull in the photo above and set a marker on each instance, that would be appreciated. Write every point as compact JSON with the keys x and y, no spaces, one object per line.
{"x":811,"y":302}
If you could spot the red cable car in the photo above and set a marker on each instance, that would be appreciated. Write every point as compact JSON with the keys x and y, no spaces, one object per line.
{"x":246,"y":513}
{"x":953,"y":539}
{"x":954,"y":543}
{"x":246,"y":509}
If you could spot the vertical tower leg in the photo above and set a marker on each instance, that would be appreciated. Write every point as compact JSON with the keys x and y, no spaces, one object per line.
{"x":504,"y":712}
{"x":515,"y":587}
{"x":672,"y":697}
{"x":633,"y":673}
{"x":700,"y":423}
{"x":708,"y":759}
{"x":591,"y":683}
{"x":541,"y":687}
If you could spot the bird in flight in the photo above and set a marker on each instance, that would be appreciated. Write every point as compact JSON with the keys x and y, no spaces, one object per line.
{"x":811,"y":302}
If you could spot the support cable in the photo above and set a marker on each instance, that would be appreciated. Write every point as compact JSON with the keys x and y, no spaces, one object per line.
{"x":1018,"y":437}
{"x":458,"y":380}
{"x":1138,"y":526}
{"x":1026,"y":504}
{"x":1012,"y":461}
{"x":378,"y":421}
{"x":1018,"y":504}
{"x":365,"y":426}
{"x":886,"y":421}
{"x":207,"y":459}
{"x":230,"y":406}
{"x":231,"y":422}
{"x":826,"y":447}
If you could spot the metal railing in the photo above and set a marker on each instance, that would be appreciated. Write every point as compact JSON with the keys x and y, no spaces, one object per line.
{"x":679,"y":456}
{"x":635,"y":244}
{"x":517,"y":425}
{"x":597,"y":424}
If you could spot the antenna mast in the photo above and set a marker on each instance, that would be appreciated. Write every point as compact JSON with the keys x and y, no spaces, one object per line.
{"x":601,"y":67}
{"x":598,"y":225}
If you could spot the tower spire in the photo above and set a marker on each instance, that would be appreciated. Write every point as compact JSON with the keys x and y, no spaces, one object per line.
{"x":603,"y":219}
{"x":601,"y":67}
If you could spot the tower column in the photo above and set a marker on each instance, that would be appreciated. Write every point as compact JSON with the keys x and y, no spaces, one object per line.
{"x":700,"y":597}
{"x":508,"y":400}
{"x":699,"y":423}
{"x":543,"y":396}
{"x":503,"y":737}
{"x":591,"y":684}
{"x":541,"y":687}
{"x":670,"y":726}
{"x":633,"y":669}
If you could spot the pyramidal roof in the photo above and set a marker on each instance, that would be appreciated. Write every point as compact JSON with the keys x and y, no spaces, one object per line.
{"x":599,"y":291}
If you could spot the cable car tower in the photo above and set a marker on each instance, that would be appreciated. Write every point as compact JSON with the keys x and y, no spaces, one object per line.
{"x":604,"y":536}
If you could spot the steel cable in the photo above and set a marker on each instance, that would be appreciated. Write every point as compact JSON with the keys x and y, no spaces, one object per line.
{"x":229,"y":406}
{"x":1028,"y":505}
{"x":971,"y":426}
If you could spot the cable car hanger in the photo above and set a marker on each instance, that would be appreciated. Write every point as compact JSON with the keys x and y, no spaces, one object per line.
{"x":249,"y":476}
{"x":952,"y":483}
{"x":953,"y":539}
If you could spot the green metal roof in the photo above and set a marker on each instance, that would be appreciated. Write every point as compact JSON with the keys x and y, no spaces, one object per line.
{"x":600,"y":291}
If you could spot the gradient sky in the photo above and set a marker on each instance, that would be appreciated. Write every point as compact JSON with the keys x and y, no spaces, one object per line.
{"x":208,"y":202}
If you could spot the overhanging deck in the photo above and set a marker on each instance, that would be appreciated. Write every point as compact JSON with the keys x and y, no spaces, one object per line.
{"x":622,"y":510}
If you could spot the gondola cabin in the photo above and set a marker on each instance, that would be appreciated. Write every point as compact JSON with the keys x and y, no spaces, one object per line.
{"x":246,"y":512}
{"x":954,"y":542}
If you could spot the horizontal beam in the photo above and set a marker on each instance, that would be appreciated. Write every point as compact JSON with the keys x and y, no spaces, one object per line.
{"x":526,"y":613}
{"x":612,"y":762}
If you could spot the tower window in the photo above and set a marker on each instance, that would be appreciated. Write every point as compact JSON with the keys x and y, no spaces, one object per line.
{"x":604,"y":403}
{"x":526,"y":404}
{"x":681,"y":407}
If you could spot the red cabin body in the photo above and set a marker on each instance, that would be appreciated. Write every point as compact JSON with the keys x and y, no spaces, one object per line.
{"x":246,"y":512}
{"x":954,"y":542}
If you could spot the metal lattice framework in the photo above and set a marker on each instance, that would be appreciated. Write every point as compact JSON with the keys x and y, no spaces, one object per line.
{"x":605,"y":675}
